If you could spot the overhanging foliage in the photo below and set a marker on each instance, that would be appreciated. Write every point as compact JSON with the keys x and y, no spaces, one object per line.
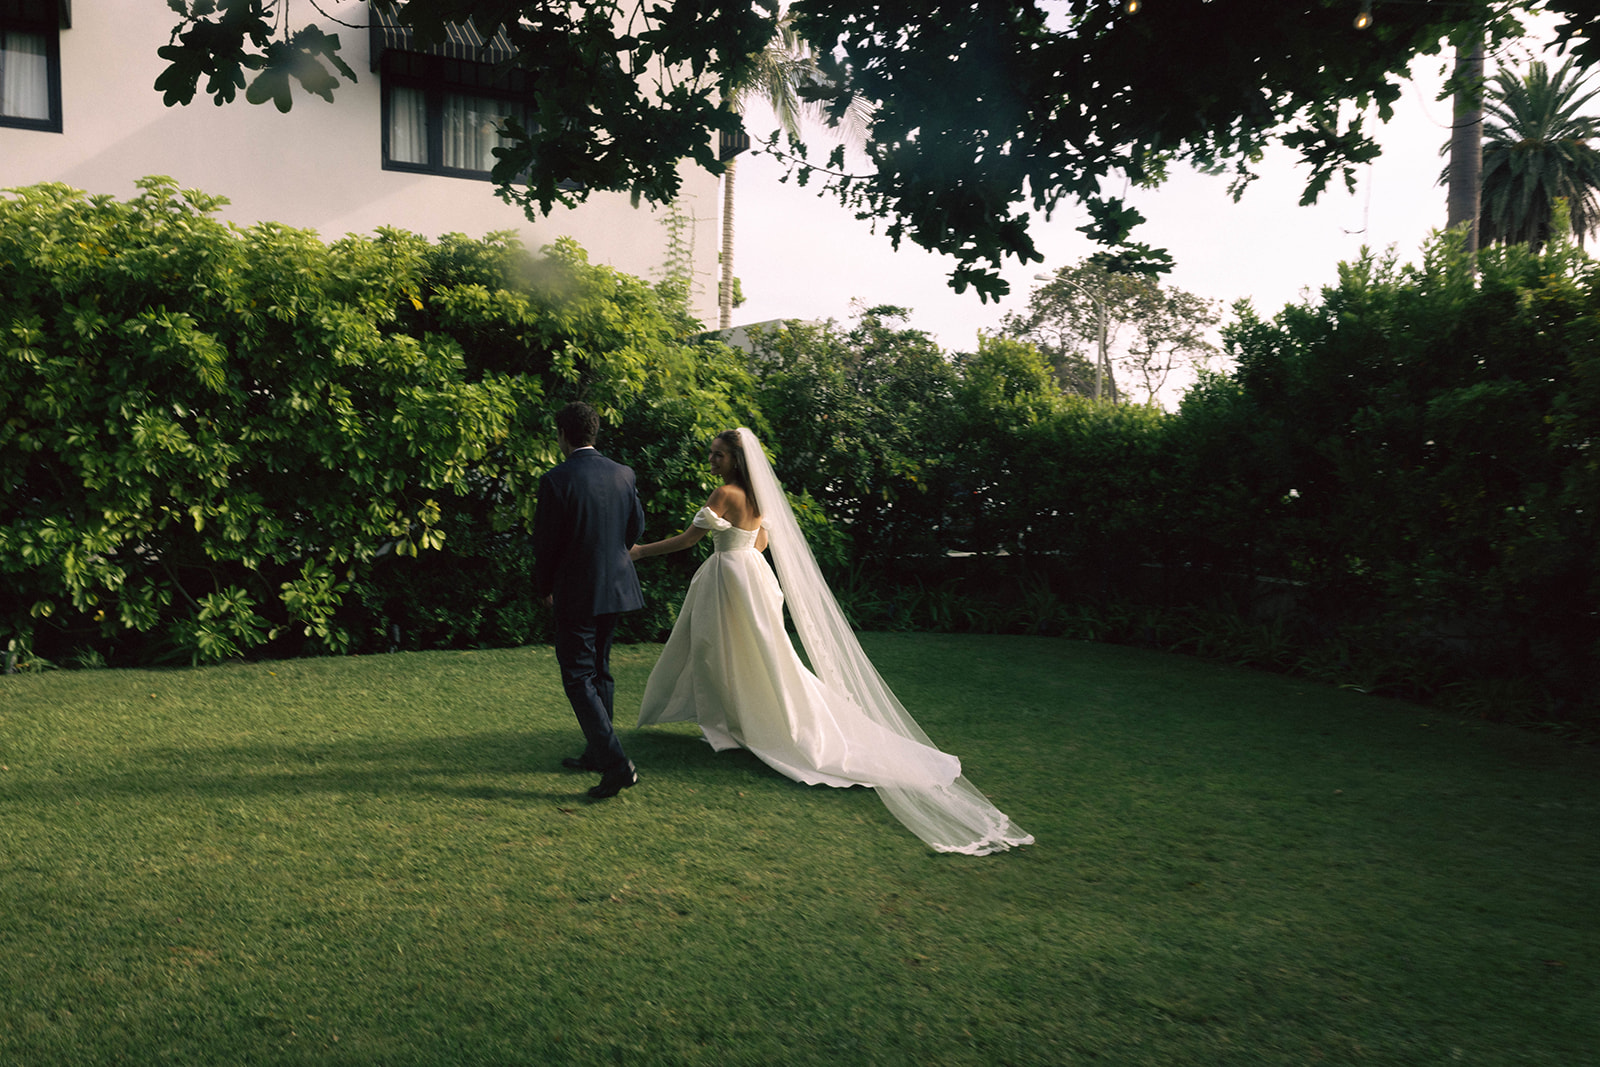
{"x":983,"y":114}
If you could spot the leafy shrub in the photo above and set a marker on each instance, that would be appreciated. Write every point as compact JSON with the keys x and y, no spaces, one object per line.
{"x":218,"y":441}
{"x":1415,"y":448}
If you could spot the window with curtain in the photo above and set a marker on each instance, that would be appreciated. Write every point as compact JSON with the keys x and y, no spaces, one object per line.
{"x":444,"y":117}
{"x":30,"y":87}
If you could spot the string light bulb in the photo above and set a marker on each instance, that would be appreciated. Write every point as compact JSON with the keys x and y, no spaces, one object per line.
{"x":1364,"y":19}
{"x":1132,"y":6}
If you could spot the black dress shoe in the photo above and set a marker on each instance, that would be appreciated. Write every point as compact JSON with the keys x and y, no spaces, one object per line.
{"x":579,"y":763}
{"x":614,"y":781}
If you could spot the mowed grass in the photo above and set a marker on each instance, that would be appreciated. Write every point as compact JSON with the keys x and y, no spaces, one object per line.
{"x":380,"y":861}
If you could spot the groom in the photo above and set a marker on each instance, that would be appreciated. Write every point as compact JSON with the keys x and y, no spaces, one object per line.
{"x":588,"y":516}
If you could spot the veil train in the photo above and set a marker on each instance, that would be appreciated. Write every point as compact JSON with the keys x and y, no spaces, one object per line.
{"x":951,"y":817}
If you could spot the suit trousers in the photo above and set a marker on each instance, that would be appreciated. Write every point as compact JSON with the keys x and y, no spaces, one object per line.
{"x":583,"y":651}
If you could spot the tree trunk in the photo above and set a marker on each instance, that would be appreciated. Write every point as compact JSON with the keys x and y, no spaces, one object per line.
{"x":1466,"y":139}
{"x":725,"y":285}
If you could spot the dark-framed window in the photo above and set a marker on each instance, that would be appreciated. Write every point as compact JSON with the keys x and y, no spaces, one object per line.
{"x":30,"y":64}
{"x":444,"y":116}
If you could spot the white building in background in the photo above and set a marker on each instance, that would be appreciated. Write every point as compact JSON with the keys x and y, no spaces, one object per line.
{"x":408,"y":145}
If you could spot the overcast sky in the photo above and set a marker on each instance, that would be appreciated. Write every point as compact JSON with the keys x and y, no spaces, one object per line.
{"x":801,"y":256}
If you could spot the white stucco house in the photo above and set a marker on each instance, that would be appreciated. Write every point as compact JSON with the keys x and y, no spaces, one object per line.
{"x":407,"y":145}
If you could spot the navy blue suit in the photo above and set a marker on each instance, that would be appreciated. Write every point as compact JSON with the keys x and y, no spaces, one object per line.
{"x":588,"y":516}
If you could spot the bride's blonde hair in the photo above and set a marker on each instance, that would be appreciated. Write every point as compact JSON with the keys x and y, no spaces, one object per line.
{"x":740,"y":475}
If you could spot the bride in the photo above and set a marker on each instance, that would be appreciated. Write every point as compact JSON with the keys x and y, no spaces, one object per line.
{"x":730,"y":667}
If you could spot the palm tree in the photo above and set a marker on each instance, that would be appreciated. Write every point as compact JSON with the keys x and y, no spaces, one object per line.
{"x":1536,"y":149}
{"x":1463,"y":175}
{"x":781,"y":69}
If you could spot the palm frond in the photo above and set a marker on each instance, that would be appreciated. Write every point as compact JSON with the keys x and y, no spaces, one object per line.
{"x":1537,"y":149}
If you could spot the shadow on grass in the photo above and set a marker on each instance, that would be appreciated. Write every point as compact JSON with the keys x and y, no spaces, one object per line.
{"x":478,"y":766}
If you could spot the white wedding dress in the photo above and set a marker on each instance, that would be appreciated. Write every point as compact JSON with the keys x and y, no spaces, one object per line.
{"x":729,"y":666}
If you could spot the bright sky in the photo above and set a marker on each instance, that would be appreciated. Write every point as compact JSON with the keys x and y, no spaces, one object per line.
{"x":801,"y":256}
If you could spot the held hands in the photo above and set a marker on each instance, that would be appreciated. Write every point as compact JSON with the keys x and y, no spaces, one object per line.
{"x":670,"y":545}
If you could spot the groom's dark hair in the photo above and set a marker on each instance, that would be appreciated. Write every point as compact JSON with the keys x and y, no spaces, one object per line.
{"x":578,"y":423}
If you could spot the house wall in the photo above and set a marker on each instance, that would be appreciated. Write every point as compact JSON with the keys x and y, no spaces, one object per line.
{"x":317,"y":167}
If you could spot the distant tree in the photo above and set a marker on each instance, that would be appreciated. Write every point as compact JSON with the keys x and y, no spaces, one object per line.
{"x":1538,"y":148}
{"x":1150,"y":330}
{"x":980,"y":109}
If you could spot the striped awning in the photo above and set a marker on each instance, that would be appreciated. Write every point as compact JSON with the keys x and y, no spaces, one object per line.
{"x":38,"y":12}
{"x":731,"y":144}
{"x":462,"y":41}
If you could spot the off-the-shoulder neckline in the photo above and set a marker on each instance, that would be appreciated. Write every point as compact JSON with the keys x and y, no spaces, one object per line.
{"x":759,"y":524}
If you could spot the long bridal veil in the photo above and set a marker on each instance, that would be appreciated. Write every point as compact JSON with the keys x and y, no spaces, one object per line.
{"x":952,"y":817}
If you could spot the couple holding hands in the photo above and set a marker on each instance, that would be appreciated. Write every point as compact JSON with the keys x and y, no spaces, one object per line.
{"x":729,"y":665}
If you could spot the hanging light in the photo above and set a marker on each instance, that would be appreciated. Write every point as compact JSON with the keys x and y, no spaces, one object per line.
{"x":1364,"y":19}
{"x":1132,"y":6}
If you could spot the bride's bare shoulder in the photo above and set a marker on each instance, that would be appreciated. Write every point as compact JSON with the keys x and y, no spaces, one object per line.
{"x":730,"y":502}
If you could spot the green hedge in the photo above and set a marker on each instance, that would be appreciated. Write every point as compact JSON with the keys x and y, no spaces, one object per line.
{"x":216,"y":439}
{"x":1396,"y":489}
{"x":1417,"y":448}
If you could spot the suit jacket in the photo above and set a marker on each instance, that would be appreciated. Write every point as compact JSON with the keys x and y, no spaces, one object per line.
{"x":588,"y":516}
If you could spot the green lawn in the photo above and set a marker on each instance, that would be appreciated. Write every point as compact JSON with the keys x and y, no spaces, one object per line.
{"x":380,"y":861}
